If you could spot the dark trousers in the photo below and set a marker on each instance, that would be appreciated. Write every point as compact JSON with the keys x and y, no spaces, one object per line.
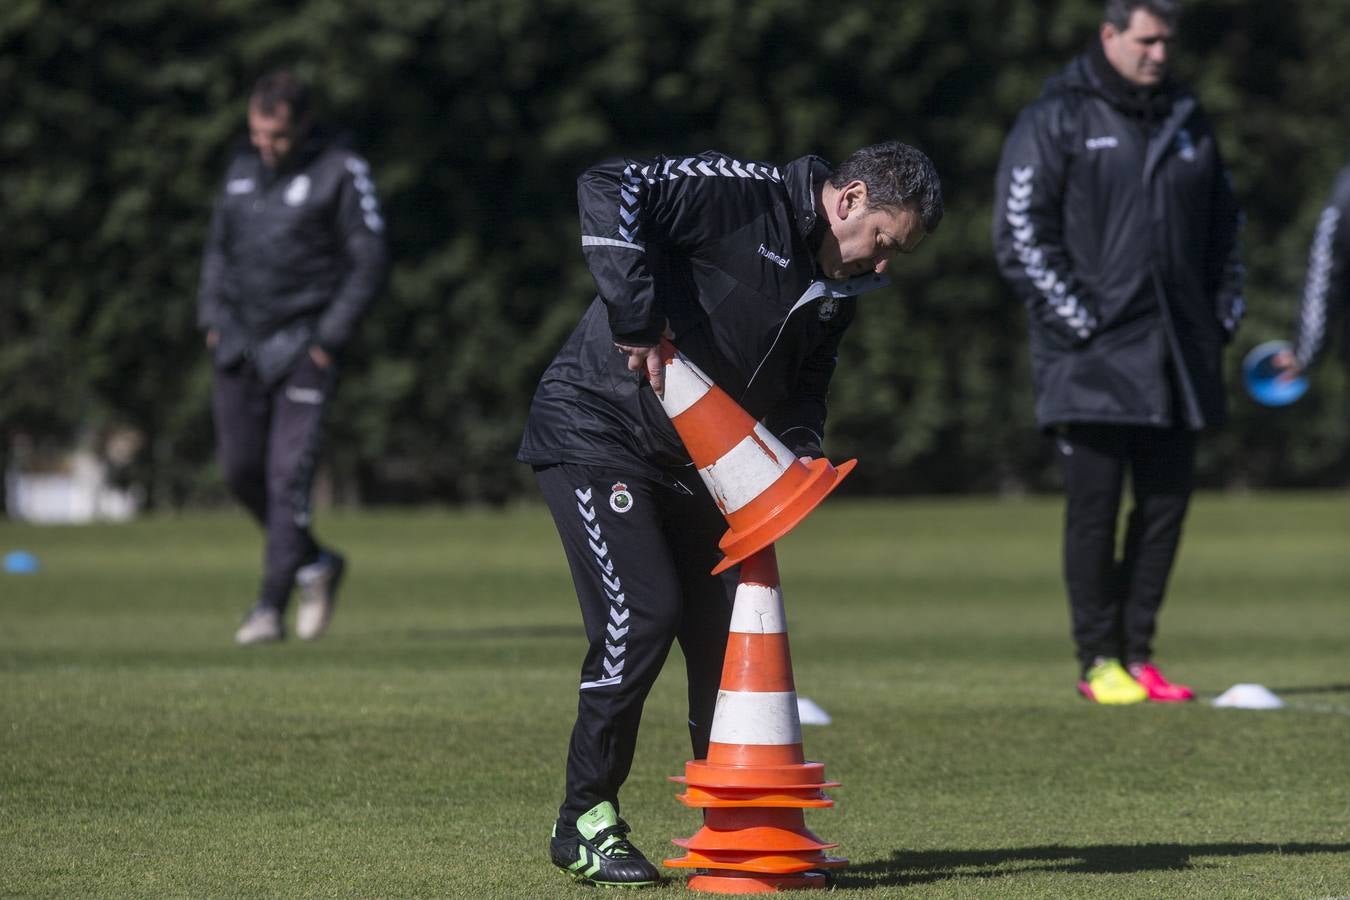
{"x":1114,"y":601}
{"x":268,"y":439}
{"x":640,"y":550}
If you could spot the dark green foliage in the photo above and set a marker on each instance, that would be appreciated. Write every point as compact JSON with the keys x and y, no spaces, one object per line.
{"x":477,"y":116}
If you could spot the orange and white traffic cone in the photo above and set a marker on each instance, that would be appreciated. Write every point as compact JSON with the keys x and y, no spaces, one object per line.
{"x":756,"y":781}
{"x":762,"y":488}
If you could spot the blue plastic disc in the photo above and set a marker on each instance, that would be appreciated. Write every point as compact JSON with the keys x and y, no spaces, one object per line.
{"x":20,"y":562}
{"x":1262,"y":378}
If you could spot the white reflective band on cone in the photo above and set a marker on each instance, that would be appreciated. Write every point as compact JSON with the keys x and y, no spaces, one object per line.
{"x":756,"y":717}
{"x":746,"y":471}
{"x":685,"y":386}
{"x":758,"y":610}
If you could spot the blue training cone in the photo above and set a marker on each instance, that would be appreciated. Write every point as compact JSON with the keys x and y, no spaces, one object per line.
{"x":1262,"y":378}
{"x":20,"y":562}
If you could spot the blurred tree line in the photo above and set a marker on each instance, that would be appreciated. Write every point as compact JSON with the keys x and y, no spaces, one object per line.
{"x":477,"y":116}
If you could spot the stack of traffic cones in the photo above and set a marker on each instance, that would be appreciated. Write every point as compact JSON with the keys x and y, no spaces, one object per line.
{"x":756,"y":782}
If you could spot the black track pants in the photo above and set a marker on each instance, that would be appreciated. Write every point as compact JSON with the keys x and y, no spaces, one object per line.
{"x":1114,"y":602}
{"x":268,"y":440}
{"x":640,"y":550}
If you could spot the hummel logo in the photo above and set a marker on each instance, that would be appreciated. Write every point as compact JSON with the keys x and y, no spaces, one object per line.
{"x":779,"y":261}
{"x":1102,"y":143}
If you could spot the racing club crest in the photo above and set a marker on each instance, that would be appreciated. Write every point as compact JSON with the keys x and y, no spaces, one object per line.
{"x":828,"y":308}
{"x":619,"y":499}
{"x":297,"y":190}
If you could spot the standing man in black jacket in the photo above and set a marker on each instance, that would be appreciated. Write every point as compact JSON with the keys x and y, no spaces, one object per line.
{"x":294,"y":257}
{"x":1115,"y":223}
{"x":754,"y":271}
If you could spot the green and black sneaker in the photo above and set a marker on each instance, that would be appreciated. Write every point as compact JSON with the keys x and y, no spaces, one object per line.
{"x":600,"y":852}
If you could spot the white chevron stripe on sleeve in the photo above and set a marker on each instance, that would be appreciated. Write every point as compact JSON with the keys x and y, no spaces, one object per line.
{"x":591,"y":241}
{"x":1032,"y":258}
{"x":693,"y":167}
{"x":1312,"y":314}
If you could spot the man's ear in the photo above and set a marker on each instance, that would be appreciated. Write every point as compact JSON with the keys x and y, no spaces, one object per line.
{"x":851,"y":199}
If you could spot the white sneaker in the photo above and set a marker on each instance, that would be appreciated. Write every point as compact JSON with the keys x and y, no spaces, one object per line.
{"x":318,"y":583}
{"x":261,"y":626}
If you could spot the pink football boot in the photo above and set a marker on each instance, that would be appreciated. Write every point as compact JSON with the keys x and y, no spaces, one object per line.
{"x":1159,"y":689}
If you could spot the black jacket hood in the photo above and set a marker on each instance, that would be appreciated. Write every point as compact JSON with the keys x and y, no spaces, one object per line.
{"x":1092,"y":74}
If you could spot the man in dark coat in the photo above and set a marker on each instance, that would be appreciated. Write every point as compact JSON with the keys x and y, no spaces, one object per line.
{"x":294,"y":257}
{"x":754,"y":271}
{"x":1116,"y":225}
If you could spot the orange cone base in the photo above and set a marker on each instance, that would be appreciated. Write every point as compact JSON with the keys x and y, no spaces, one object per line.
{"x":756,"y":863}
{"x":754,"y":839}
{"x":701,"y":773}
{"x":824,"y":477}
{"x":766,"y":841}
{"x":807,"y":797}
{"x":740,"y":883}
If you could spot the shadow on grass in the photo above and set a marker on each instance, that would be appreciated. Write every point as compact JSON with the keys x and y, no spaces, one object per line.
{"x":912,"y":867}
{"x":1313,"y":689}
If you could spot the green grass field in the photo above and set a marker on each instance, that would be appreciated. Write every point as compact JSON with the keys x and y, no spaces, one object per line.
{"x":417,"y":750}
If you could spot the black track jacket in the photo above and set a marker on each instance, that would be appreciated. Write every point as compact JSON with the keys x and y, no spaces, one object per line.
{"x":293,"y":257}
{"x":1121,"y":240}
{"x":722,"y":250}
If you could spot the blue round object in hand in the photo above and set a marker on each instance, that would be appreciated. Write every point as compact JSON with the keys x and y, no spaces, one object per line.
{"x":1262,"y":378}
{"x":20,"y":562}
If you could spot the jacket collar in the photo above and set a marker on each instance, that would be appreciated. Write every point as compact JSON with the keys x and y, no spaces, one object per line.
{"x":1090,"y":73}
{"x":316,"y":142}
{"x":1164,"y":121}
{"x":1148,"y":104}
{"x":803,"y":178}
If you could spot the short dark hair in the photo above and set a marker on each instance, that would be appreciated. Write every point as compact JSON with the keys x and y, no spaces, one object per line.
{"x":281,"y":87}
{"x":1118,"y":12}
{"x":896,"y":175}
